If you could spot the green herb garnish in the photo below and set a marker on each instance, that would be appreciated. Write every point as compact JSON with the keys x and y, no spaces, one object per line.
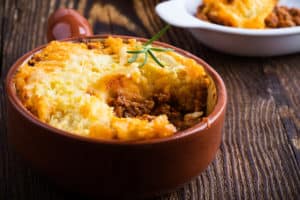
{"x":147,"y":49}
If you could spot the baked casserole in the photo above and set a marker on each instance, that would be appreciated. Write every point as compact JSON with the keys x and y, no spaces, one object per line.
{"x":90,"y":89}
{"x":257,"y":14}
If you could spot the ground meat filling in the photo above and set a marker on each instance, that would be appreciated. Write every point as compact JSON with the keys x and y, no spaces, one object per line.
{"x":161,"y":103}
{"x":283,"y":16}
{"x":210,"y":17}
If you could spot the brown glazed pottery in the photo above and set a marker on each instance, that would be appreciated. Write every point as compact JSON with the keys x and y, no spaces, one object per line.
{"x":66,"y":23}
{"x":115,"y":169}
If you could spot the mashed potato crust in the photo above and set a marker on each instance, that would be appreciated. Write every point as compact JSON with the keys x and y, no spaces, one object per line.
{"x":70,"y":86}
{"x":237,"y":13}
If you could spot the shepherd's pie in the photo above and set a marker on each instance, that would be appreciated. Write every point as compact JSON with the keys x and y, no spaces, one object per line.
{"x":90,"y":89}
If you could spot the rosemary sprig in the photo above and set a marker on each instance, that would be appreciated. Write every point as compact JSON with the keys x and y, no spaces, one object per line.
{"x":147,"y":49}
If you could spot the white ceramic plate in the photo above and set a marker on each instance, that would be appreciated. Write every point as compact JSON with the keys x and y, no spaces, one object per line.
{"x":237,"y":41}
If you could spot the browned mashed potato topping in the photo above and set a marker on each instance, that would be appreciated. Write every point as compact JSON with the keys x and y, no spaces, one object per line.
{"x":90,"y":89}
{"x":248,"y":13}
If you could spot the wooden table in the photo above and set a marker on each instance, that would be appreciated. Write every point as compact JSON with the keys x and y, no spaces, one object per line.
{"x":260,"y":154}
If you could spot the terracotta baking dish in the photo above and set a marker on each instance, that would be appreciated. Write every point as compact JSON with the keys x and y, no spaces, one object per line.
{"x":102,"y":168}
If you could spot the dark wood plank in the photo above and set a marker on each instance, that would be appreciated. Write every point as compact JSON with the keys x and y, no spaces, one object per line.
{"x":24,"y":29}
{"x":286,"y":77}
{"x":2,"y":23}
{"x":259,"y":156}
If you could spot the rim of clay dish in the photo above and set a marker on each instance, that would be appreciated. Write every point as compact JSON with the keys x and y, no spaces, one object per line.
{"x":205,"y":124}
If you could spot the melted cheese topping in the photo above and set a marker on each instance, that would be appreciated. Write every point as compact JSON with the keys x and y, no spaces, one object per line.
{"x":68,"y":85}
{"x":240,"y":13}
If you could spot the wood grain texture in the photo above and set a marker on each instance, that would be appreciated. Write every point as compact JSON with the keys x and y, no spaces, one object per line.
{"x":260,"y":154}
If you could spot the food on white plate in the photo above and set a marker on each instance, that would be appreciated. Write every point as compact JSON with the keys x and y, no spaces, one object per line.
{"x":255,"y":14}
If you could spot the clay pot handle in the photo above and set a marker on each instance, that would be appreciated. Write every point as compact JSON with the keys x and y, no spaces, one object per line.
{"x":67,"y":23}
